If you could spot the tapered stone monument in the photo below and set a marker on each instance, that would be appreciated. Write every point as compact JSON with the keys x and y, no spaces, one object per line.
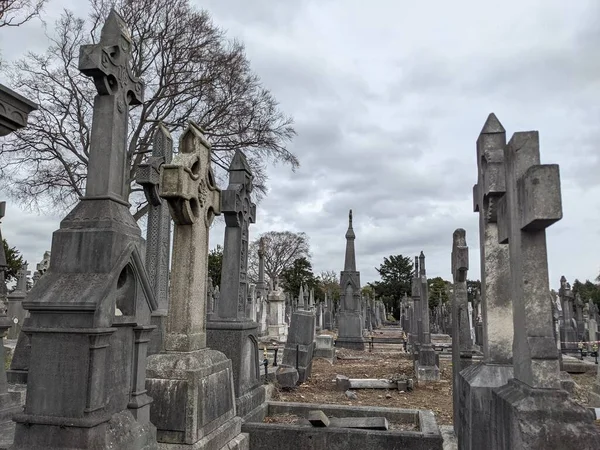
{"x":532,"y":411}
{"x":90,"y":312}
{"x":462,"y":343}
{"x":475,"y":383}
{"x":229,"y":330}
{"x":349,"y":320}
{"x":426,"y":366}
{"x":568,"y":334}
{"x":192,"y":385}
{"x":158,"y":235}
{"x":277,"y":327}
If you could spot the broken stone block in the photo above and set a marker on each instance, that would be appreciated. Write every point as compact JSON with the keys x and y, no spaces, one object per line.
{"x":364,"y":423}
{"x":287,"y":377}
{"x":317,"y":418}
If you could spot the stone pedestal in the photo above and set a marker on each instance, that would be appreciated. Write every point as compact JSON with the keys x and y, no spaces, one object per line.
{"x":350,"y":331}
{"x":15,"y":313}
{"x":324,"y":347}
{"x":202,"y":378}
{"x":237,"y":339}
{"x":541,"y":419}
{"x":19,"y":365}
{"x":475,"y":385}
{"x":427,"y":365}
{"x":327,"y":320}
{"x":299,"y":348}
{"x":277,"y":328}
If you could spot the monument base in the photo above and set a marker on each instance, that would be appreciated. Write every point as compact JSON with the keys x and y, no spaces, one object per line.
{"x":300,"y":357}
{"x":237,"y":340}
{"x":426,"y":374}
{"x":252,"y":406}
{"x":122,"y":431}
{"x":278,"y":332}
{"x":474,"y":387}
{"x":350,"y":330}
{"x":193,"y":400}
{"x":540,"y":419}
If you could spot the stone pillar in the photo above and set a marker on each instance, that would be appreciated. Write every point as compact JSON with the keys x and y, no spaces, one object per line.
{"x":462,"y":342}
{"x":475,"y":383}
{"x":532,"y":411}
{"x":229,"y":330}
{"x":277,"y":327}
{"x":90,"y":312}
{"x":158,"y":234}
{"x":568,"y":334}
{"x":192,"y":385}
{"x":426,"y":367}
{"x":350,"y":322}
{"x":417,"y":328}
{"x":15,"y":312}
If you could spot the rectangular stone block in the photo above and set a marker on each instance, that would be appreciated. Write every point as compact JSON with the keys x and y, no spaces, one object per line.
{"x":318,"y":419}
{"x":503,"y":220}
{"x":494,"y":181}
{"x":364,"y":423}
{"x":540,"y":197}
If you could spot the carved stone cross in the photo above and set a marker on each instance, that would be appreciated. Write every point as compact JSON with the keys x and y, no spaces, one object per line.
{"x":188,"y":186}
{"x":531,"y":204}
{"x":158,"y":238}
{"x":460,"y":266}
{"x":239,"y":212}
{"x":109,"y":64}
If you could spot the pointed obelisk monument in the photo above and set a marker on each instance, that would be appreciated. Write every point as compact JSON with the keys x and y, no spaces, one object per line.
{"x":350,"y":322}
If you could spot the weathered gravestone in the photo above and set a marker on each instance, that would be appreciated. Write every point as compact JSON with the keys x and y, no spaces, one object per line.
{"x":426,"y":366}
{"x":327,"y":314}
{"x":475,"y":383}
{"x":568,"y":334}
{"x":229,"y":329}
{"x":158,"y":235}
{"x":349,"y":320}
{"x":462,"y":342}
{"x":10,"y":402}
{"x":16,"y":312}
{"x":277,"y":327}
{"x":90,"y":312}
{"x":300,"y":345}
{"x":532,"y":411}
{"x":415,"y":317}
{"x":192,"y":385}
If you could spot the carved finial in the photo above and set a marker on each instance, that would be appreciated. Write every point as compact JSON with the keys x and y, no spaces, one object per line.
{"x":350,"y":219}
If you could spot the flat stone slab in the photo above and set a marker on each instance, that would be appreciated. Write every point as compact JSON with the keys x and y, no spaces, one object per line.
{"x":318,"y":419}
{"x":363,"y":423}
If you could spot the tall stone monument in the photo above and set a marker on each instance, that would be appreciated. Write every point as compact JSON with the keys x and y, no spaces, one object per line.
{"x":90,"y":313}
{"x":15,"y":310}
{"x":568,"y":334}
{"x":532,"y":411}
{"x":475,"y":383}
{"x":230,"y":330}
{"x":192,"y":385}
{"x":426,"y":366}
{"x":277,"y":327}
{"x":462,"y":343}
{"x":350,"y":323}
{"x":158,"y":234}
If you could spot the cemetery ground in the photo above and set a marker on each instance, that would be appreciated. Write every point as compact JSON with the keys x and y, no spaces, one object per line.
{"x":389,"y":362}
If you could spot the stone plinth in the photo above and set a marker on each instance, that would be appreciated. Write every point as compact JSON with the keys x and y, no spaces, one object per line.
{"x":277,"y":328}
{"x":299,"y":348}
{"x":324,"y":347}
{"x":349,"y":331}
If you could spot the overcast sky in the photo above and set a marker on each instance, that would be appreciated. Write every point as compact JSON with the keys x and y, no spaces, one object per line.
{"x":388,"y":99}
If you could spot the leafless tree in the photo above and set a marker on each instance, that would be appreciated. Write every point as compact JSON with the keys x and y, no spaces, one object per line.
{"x":329,"y":283}
{"x":191,"y":72}
{"x":14,"y":13}
{"x":282,"y":248}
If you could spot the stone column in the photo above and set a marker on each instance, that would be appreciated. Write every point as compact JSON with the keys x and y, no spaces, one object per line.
{"x":229,"y":330}
{"x":568,"y":334}
{"x":475,"y":383}
{"x":192,"y":385}
{"x":277,"y":328}
{"x":533,"y":400}
{"x":426,"y":367}
{"x":158,"y":234}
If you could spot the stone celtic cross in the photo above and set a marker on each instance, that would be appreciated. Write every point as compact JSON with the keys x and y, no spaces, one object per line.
{"x":531,"y":204}
{"x":239,"y":212}
{"x":109,"y":64}
{"x":188,"y":186}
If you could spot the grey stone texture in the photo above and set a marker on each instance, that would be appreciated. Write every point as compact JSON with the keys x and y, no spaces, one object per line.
{"x":15,"y":311}
{"x":300,"y":345}
{"x":462,"y":344}
{"x":324,"y":347}
{"x":475,"y":384}
{"x":349,"y":320}
{"x":426,"y":366}
{"x":14,"y":110}
{"x":533,"y":411}
{"x":568,"y":334}
{"x":85,"y":386}
{"x":192,"y":385}
{"x":287,"y":377}
{"x":230,"y":330}
{"x":158,"y":234}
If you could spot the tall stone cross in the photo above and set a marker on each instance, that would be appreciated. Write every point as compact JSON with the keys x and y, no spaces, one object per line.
{"x":531,"y":204}
{"x":108,"y":63}
{"x":158,"y":236}
{"x":424,"y":295}
{"x":495,"y":270}
{"x":261,"y":285}
{"x":194,"y":199}
{"x":239,"y":212}
{"x":461,"y":335}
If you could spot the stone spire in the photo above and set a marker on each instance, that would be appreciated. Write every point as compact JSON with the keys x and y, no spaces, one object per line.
{"x":350,"y":261}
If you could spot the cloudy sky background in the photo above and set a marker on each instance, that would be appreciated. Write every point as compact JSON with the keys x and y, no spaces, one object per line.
{"x":389,"y":98}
